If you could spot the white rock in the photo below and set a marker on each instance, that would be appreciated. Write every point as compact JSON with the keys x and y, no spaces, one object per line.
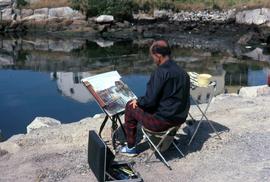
{"x":105,"y":19}
{"x":65,"y":12}
{"x":41,"y":122}
{"x":254,"y":91}
{"x":256,"y":16}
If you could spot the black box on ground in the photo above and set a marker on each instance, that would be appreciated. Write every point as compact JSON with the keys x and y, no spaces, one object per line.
{"x":101,"y":161}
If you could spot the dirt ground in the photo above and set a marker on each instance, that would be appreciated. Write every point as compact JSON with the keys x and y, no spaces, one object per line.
{"x":60,"y":153}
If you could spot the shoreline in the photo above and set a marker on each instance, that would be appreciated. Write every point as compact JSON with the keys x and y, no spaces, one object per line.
{"x":60,"y":152}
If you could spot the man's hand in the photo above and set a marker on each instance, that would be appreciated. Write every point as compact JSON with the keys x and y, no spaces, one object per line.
{"x":134,"y":103}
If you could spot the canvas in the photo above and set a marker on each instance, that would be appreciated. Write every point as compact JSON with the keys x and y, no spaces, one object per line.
{"x":110,"y":91}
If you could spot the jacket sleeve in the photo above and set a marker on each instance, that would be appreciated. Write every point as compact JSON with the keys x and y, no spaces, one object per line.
{"x":153,"y":91}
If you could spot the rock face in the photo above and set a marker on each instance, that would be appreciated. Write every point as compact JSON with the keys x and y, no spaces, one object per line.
{"x":256,"y":17}
{"x":41,"y":122}
{"x":251,"y":92}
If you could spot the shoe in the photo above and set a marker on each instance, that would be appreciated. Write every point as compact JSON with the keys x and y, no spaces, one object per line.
{"x":131,"y":152}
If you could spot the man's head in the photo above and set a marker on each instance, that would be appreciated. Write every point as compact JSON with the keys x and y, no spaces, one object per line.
{"x":160,"y":51}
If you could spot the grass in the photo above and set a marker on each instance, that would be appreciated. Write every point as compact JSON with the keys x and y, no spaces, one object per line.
{"x":221,"y":4}
{"x":48,"y":4}
{"x":178,"y":4}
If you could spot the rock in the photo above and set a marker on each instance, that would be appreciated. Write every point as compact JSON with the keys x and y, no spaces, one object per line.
{"x":36,"y":17}
{"x":6,"y":60}
{"x":26,"y":12}
{"x":256,"y":16}
{"x":4,"y":3}
{"x":42,"y":11}
{"x":41,"y":122}
{"x":104,"y":43}
{"x":65,"y":12}
{"x":143,"y":16}
{"x":163,"y":14}
{"x":245,"y":38}
{"x":105,"y":19}
{"x":257,"y":54}
{"x":254,"y":91}
{"x":7,"y":14}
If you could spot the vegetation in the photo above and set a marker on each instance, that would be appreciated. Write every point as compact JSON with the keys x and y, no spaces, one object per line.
{"x":124,"y":8}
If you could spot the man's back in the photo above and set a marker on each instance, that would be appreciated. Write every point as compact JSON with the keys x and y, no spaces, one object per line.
{"x":167,"y":94}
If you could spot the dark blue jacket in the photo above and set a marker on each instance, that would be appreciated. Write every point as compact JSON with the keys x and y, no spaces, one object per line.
{"x":167,"y":94}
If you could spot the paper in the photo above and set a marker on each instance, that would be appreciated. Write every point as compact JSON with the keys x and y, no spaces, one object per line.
{"x":110,"y":92}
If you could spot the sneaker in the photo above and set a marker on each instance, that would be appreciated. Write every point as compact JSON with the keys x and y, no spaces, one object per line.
{"x":131,"y":152}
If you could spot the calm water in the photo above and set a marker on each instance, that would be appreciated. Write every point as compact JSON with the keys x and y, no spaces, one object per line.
{"x":41,"y":76}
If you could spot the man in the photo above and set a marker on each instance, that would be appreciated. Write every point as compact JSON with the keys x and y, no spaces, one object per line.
{"x":166,"y":102}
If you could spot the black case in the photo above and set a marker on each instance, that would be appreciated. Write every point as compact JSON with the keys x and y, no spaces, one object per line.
{"x":101,"y":162}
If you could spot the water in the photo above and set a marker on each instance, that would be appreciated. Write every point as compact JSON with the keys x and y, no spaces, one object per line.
{"x":41,"y":76}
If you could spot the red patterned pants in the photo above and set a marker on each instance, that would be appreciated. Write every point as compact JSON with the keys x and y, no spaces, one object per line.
{"x":133,"y":116}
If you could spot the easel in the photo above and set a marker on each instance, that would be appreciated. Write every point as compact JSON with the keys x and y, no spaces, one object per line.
{"x":114,"y":128}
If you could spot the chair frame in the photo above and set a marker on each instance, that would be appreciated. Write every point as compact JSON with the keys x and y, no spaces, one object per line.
{"x":148,"y":133}
{"x":203,"y":112}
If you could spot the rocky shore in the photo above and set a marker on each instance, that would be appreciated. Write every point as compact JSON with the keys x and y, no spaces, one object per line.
{"x":59,"y":152}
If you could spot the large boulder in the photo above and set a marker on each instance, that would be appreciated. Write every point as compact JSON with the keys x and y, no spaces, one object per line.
{"x":254,"y":91}
{"x":65,"y":12}
{"x":104,"y":19}
{"x":41,"y":122}
{"x":256,"y":17}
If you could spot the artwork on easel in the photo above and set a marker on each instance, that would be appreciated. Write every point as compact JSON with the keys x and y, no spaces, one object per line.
{"x":110,"y":92}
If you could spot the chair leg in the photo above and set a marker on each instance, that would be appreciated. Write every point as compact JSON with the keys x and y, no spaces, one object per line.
{"x":156,"y":149}
{"x":195,"y":132}
{"x":178,"y":149}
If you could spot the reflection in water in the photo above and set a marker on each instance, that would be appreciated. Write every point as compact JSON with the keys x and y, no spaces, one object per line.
{"x":57,"y":66}
{"x":70,"y":85}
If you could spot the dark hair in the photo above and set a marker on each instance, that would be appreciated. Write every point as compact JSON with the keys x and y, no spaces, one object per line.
{"x":162,"y":49}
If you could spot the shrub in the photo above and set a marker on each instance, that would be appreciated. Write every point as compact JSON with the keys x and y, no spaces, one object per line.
{"x":120,"y":9}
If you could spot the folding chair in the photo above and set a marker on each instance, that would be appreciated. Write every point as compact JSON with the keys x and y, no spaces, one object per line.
{"x":160,"y":142}
{"x":194,"y":85}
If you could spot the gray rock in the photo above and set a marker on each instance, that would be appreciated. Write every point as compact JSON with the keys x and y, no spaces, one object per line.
{"x":36,"y":17}
{"x":41,"y":122}
{"x":42,"y":11}
{"x":6,"y":60}
{"x":7,"y":14}
{"x":250,"y":92}
{"x":257,"y":54}
{"x":26,"y":12}
{"x":256,"y":16}
{"x":5,"y":3}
